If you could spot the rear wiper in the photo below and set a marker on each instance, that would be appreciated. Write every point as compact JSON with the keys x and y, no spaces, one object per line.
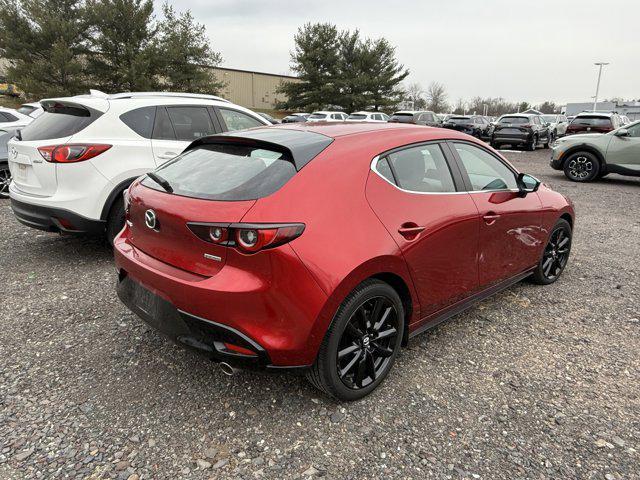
{"x":160,"y":181}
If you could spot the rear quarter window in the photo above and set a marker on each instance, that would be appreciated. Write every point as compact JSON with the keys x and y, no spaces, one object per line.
{"x":140,"y":120}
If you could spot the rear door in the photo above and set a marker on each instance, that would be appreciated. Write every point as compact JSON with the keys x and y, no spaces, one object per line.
{"x":416,"y":194}
{"x":176,"y":126}
{"x":511,"y":236}
{"x":61,"y":120}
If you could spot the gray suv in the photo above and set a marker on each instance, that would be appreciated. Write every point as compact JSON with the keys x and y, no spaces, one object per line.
{"x":586,"y":157}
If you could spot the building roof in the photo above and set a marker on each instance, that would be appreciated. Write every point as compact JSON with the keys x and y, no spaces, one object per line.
{"x":255,"y":72}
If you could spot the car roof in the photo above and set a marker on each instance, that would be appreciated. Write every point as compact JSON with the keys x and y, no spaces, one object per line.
{"x":325,"y":112}
{"x":596,"y":114}
{"x":363,"y":113}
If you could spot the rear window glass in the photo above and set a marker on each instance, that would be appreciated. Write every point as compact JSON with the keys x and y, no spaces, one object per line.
{"x":226,"y":172}
{"x":459,"y":120}
{"x":140,"y":120}
{"x":592,"y":121}
{"x":515,"y":120}
{"x":59,"y":121}
{"x":402,"y":117}
{"x":26,"y":109}
{"x":357,"y":117}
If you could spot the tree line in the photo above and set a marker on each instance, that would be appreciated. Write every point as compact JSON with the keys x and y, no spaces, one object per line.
{"x":64,"y":47}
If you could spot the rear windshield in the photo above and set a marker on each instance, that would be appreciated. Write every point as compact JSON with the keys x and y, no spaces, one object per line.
{"x":515,"y":120}
{"x":59,"y":121}
{"x":225,"y":172}
{"x":357,"y":116}
{"x":592,"y":121}
{"x":459,"y":120}
{"x":26,"y":109}
{"x":402,"y":117}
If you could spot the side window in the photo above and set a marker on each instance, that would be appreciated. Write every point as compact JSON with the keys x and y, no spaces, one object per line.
{"x":140,"y":120}
{"x":3,"y":118}
{"x":162,"y":129}
{"x":634,"y":131}
{"x":384,"y":169}
{"x":485,"y":171}
{"x":336,"y":116}
{"x":190,"y":123}
{"x":422,"y":169}
{"x":236,"y":120}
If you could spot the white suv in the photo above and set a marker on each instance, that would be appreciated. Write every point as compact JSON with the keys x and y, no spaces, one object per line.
{"x":72,"y":163}
{"x":324,"y":116}
{"x":10,"y":118}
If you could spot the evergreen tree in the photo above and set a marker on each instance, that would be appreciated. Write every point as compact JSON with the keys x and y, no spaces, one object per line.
{"x":45,"y":42}
{"x":123,"y":55}
{"x":315,"y":61}
{"x":384,"y":75}
{"x":185,"y":54}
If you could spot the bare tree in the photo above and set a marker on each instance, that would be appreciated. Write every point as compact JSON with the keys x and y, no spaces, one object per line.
{"x":437,"y":98}
{"x":415,"y":93}
{"x":461,"y":107}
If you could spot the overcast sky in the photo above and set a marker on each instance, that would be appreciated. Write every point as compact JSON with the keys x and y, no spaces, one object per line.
{"x":521,"y":50}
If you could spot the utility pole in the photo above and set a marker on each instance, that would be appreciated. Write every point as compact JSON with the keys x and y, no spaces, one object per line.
{"x":595,"y":99}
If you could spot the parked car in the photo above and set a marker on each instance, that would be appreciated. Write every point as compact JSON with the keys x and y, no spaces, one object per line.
{"x":474,"y":125}
{"x":5,"y":174}
{"x":586,"y":157}
{"x":269,"y":118}
{"x":296,"y":118}
{"x":238,"y":268}
{"x":368,"y":117}
{"x":594,"y":122}
{"x":521,"y":129}
{"x":417,"y":118}
{"x":72,"y":163}
{"x":33,"y":110}
{"x":558,"y":124}
{"x":324,"y":116}
{"x":12,"y":118}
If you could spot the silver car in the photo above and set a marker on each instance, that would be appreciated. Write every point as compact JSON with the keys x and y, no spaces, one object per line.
{"x":586,"y":157}
{"x":557,"y":124}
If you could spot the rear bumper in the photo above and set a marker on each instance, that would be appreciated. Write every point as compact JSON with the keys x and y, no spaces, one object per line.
{"x":52,"y":219}
{"x":512,"y":138}
{"x":265,"y":311}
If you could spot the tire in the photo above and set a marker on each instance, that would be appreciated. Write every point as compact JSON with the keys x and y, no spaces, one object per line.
{"x":115,"y":220}
{"x":347,"y":332}
{"x":551,"y":265}
{"x":533,"y":144}
{"x":551,"y":136}
{"x":5,"y":180}
{"x":581,"y":167}
{"x":495,"y":145}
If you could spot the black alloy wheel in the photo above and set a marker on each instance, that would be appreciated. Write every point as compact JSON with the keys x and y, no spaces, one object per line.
{"x":367,"y":343}
{"x":362,"y":342}
{"x":5,"y":180}
{"x":533,"y":144}
{"x":581,"y":167}
{"x":555,"y":255}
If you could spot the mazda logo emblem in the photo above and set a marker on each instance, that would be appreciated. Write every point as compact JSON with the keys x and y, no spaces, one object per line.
{"x":150,"y":219}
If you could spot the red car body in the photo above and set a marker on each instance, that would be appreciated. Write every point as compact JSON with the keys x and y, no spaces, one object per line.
{"x":272,"y":308}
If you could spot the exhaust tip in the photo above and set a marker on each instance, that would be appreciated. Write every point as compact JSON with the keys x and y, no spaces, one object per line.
{"x":227,"y":369}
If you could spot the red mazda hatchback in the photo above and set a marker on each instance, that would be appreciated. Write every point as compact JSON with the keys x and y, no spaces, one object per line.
{"x":325,"y":248}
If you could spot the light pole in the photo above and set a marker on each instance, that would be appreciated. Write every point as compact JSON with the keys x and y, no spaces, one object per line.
{"x":595,"y":99}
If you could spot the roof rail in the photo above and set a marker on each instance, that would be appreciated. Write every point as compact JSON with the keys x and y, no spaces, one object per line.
{"x":202,"y":96}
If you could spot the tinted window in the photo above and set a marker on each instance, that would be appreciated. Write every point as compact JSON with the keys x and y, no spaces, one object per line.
{"x":459,"y":120}
{"x":402,"y":117}
{"x":485,"y":171}
{"x":357,"y":117}
{"x":515,"y":120}
{"x":163,"y":130}
{"x":236,"y":120}
{"x":140,"y":120}
{"x":190,"y":123}
{"x":59,"y":121}
{"x":385,"y":170}
{"x":422,"y":169}
{"x":26,"y":109}
{"x":226,"y":172}
{"x":317,"y":116}
{"x":7,"y":117}
{"x":592,"y":121}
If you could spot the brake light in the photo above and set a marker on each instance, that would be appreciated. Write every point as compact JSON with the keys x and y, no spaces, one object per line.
{"x":247,"y":238}
{"x":76,"y":152}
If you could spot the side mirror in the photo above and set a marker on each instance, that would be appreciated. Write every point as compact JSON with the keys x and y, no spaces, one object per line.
{"x":621,"y":132}
{"x":527,"y":184}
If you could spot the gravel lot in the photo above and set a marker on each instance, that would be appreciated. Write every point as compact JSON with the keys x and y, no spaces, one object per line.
{"x":537,"y":382}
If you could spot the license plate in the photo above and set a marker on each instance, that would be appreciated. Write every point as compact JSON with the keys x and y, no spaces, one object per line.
{"x":144,"y":299}
{"x":22,"y":172}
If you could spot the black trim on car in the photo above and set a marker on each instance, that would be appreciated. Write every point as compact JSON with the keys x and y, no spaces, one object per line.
{"x":49,"y":219}
{"x":113,"y":196}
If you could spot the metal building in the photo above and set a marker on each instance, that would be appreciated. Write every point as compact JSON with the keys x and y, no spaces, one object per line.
{"x":255,"y":90}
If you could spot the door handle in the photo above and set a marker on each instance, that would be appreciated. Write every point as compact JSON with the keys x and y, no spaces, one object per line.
{"x":410,"y":230}
{"x":168,"y":155}
{"x":490,"y":218}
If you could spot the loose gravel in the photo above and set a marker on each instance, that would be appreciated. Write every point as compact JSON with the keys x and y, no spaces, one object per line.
{"x":536,"y":382}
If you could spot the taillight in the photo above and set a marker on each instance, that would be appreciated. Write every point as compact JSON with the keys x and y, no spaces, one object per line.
{"x":76,"y":152}
{"x":247,"y":238}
